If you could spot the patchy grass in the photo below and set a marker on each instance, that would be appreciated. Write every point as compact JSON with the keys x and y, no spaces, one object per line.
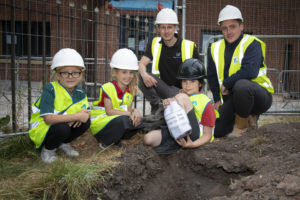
{"x":271,"y":119}
{"x":24,"y":176}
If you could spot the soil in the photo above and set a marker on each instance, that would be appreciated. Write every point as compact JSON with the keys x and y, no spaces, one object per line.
{"x":261,"y":164}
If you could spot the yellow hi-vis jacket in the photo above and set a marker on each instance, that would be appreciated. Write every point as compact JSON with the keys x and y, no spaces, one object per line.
{"x":200,"y":101}
{"x":99,"y":118}
{"x":63,"y":105}
{"x":187,"y":50}
{"x":218,"y":54}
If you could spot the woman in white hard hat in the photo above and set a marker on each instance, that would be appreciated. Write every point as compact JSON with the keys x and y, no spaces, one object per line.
{"x":113,"y":118}
{"x":167,"y":52}
{"x":60,"y":115}
{"x":237,"y":76}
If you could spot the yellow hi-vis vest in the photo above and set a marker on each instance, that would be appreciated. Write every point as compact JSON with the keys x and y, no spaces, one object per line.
{"x":63,"y":105}
{"x":218,"y":54}
{"x":99,"y":118}
{"x":187,"y":50}
{"x":200,"y":101}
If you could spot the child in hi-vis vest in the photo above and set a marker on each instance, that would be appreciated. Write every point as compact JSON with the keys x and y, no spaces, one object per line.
{"x":60,"y":115}
{"x":196,"y":104}
{"x":113,"y":118}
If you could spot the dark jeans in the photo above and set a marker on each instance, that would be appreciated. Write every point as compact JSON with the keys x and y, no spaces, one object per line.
{"x":62,"y":133}
{"x":246,"y":98}
{"x":155,"y":94}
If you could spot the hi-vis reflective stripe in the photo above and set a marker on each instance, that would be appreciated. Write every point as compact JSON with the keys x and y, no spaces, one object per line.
{"x":262,"y":72}
{"x":98,"y":107}
{"x":241,"y":52}
{"x":268,"y":85}
{"x":156,"y":51}
{"x":34,"y":125}
{"x":35,"y":109}
{"x":201,"y":129}
{"x":188,"y":47}
{"x":216,"y":56}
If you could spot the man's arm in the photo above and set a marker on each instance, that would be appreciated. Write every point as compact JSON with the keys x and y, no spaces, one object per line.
{"x":196,"y":53}
{"x":212,"y":77}
{"x":142,"y":65}
{"x":148,"y":80}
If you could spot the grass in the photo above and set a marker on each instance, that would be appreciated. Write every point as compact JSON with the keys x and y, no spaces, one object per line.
{"x":24,"y":176}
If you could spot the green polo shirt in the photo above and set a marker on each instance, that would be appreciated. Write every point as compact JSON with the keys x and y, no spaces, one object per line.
{"x":48,"y":96}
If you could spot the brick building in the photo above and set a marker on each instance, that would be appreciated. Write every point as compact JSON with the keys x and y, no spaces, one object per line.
{"x":98,"y":28}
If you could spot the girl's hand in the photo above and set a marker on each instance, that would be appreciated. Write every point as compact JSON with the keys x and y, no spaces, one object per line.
{"x":76,"y":124}
{"x":135,"y":117}
{"x":185,"y":143}
{"x":83,"y":115}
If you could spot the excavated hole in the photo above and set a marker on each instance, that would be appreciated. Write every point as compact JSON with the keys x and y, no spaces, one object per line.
{"x":194,"y":182}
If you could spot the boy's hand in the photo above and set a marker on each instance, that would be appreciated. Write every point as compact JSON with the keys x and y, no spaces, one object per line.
{"x":166,"y":102}
{"x":217,"y":105}
{"x":185,"y":143}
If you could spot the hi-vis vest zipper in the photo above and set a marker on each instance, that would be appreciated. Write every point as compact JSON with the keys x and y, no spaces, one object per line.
{"x":63,"y":104}
{"x":187,"y":49}
{"x":99,"y":119}
{"x":199,"y":102}
{"x":218,"y":53}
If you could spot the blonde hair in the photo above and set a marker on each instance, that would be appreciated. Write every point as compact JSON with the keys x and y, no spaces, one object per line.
{"x":132,"y":85}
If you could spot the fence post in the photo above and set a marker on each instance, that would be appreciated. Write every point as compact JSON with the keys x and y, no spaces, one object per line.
{"x":83,"y":24}
{"x":95,"y":50}
{"x":13,"y":65}
{"x":106,"y":45}
{"x":44,"y":44}
{"x":29,"y":62}
{"x":58,"y":2}
{"x":71,"y":4}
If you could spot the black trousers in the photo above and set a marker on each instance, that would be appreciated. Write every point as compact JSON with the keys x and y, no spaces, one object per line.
{"x":62,"y":133}
{"x":155,"y":94}
{"x":246,"y":98}
{"x":117,"y":129}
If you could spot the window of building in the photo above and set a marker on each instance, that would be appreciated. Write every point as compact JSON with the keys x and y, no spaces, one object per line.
{"x":135,"y":34}
{"x":21,"y":38}
{"x":205,"y":35}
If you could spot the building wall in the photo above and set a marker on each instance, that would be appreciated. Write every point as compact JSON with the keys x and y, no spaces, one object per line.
{"x":269,"y":17}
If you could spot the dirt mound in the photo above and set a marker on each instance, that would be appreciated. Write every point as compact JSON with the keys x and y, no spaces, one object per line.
{"x":262,"y":164}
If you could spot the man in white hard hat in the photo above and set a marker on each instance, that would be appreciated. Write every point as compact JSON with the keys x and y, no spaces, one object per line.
{"x":237,"y":76}
{"x":167,"y":52}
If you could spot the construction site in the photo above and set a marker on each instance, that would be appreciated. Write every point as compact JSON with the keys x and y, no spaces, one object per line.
{"x":261,"y":164}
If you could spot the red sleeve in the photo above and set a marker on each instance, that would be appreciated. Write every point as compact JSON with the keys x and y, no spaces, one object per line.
{"x":102,"y":101}
{"x":208,"y":116}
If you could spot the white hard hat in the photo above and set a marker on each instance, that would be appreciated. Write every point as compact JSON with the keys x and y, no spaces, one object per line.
{"x":166,"y":16}
{"x":124,"y":59}
{"x":67,"y":57}
{"x":229,"y":12}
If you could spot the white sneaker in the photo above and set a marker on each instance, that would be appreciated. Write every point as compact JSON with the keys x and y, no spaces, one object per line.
{"x":48,"y":156}
{"x":68,"y":149}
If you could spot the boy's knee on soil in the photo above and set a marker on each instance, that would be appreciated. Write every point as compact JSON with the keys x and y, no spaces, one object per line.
{"x":153,"y":138}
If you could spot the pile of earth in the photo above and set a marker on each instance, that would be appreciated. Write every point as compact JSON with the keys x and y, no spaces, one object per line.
{"x":262,"y":164}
